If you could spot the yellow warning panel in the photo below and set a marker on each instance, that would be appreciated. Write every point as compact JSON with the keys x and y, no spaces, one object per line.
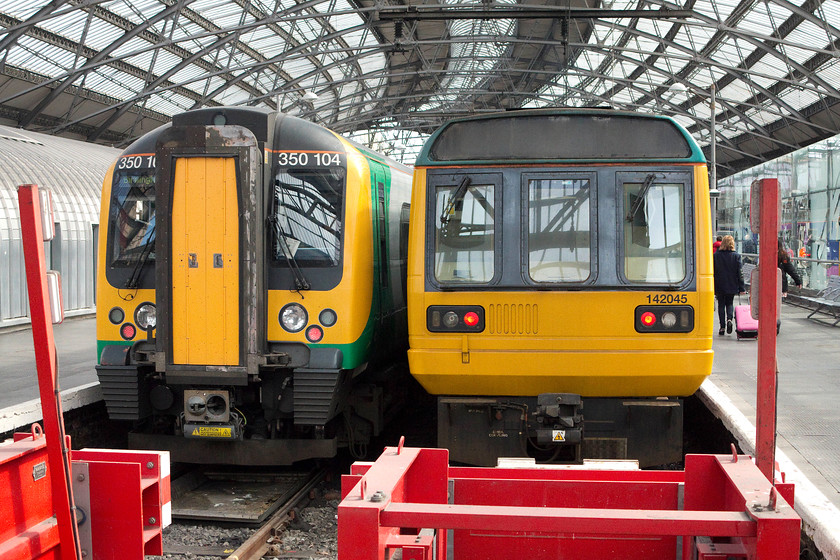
{"x":211,"y":431}
{"x":558,"y":435}
{"x":205,"y":262}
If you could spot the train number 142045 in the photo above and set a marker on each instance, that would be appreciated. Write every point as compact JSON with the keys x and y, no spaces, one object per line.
{"x":667,"y":298}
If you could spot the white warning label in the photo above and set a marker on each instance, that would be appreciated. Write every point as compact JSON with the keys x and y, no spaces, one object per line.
{"x":558,"y":435}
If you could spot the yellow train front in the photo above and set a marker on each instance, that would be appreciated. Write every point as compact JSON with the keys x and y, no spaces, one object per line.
{"x":560,"y":284}
{"x":251,"y":288}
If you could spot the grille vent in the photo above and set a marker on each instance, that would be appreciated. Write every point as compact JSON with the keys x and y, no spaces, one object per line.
{"x":605,"y":448}
{"x":315,"y":396}
{"x":512,"y":319}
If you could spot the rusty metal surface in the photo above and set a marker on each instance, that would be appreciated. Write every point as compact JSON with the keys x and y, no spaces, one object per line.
{"x":235,"y":497}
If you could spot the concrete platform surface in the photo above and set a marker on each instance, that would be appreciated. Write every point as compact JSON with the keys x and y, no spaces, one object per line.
{"x":75,"y":342}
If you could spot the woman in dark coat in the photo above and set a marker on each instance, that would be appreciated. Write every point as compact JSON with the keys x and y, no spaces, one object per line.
{"x":787,"y":269}
{"x":729,"y":282}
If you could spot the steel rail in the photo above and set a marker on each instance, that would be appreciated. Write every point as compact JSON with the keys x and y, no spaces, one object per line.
{"x":257,"y":546}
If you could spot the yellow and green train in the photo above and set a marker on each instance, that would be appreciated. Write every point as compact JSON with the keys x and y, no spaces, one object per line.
{"x":561,"y":284}
{"x":251,"y":288}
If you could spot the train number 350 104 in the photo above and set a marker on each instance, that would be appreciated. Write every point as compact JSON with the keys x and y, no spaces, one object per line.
{"x":295,"y":159}
{"x":667,"y":298}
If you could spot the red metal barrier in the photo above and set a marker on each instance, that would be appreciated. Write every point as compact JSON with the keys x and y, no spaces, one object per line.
{"x":28,"y":526}
{"x":410,"y":498}
{"x":122,"y":500}
{"x":768,"y":313}
{"x":58,"y":504}
{"x":45,"y":359}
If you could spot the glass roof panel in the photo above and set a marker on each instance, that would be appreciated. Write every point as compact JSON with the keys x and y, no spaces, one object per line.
{"x":41,"y":57}
{"x":102,"y":34}
{"x":448,"y":72}
{"x":809,"y":35}
{"x":799,"y":97}
{"x":21,"y":9}
{"x":757,"y":21}
{"x":71,"y":25}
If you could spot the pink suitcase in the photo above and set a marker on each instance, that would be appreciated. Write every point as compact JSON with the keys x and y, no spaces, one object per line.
{"x":745,"y":325}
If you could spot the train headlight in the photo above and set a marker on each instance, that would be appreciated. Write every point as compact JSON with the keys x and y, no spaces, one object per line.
{"x":327,"y":317}
{"x":293,"y":317}
{"x":146,"y":316}
{"x":455,"y":318}
{"x":450,"y":319}
{"x":669,"y":319}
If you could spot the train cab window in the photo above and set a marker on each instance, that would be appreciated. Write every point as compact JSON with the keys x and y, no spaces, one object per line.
{"x":464,"y":232}
{"x":307,"y":216}
{"x":654,"y":231}
{"x":132,"y":219}
{"x":559,"y":229}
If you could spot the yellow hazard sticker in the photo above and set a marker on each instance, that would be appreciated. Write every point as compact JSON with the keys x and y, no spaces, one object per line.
{"x":558,"y":435}
{"x":211,"y":431}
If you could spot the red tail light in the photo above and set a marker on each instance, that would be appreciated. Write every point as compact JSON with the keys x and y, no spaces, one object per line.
{"x":455,"y":318}
{"x":471,"y":319}
{"x":128,"y":331}
{"x":314,"y":334}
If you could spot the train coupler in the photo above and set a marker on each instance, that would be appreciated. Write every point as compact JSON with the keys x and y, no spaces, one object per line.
{"x":208,"y":414}
{"x":559,"y":419}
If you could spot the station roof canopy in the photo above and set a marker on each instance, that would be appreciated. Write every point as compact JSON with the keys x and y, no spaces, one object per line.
{"x":388,"y":72}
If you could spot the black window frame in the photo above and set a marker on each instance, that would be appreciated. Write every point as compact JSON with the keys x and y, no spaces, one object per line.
{"x":435,"y":180}
{"x":118,"y":275}
{"x":667,"y":176}
{"x":524,"y":235}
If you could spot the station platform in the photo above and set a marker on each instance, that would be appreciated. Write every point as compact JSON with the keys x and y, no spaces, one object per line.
{"x":75,"y":342}
{"x":808,"y":357}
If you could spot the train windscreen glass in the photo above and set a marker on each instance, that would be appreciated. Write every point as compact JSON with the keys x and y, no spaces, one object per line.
{"x":559,"y":230}
{"x":307,"y":220}
{"x":133,"y":218}
{"x":464,"y":233}
{"x":654,"y":232}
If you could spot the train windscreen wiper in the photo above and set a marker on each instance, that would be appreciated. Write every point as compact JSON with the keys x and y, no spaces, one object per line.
{"x":640,"y":198}
{"x":137,"y":271}
{"x":456,"y":197}
{"x":301,"y":282}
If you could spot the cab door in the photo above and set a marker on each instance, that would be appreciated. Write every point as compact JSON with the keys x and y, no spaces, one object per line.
{"x":205,"y":262}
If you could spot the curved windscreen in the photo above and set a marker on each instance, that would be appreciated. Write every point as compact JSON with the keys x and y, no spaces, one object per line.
{"x":307,"y":216}
{"x":132,"y":212}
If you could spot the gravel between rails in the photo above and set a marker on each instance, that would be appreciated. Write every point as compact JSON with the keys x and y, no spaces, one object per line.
{"x":312,"y":534}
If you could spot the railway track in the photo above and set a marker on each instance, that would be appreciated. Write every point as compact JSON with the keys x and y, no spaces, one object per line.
{"x":229,"y":521}
{"x":264,"y":540}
